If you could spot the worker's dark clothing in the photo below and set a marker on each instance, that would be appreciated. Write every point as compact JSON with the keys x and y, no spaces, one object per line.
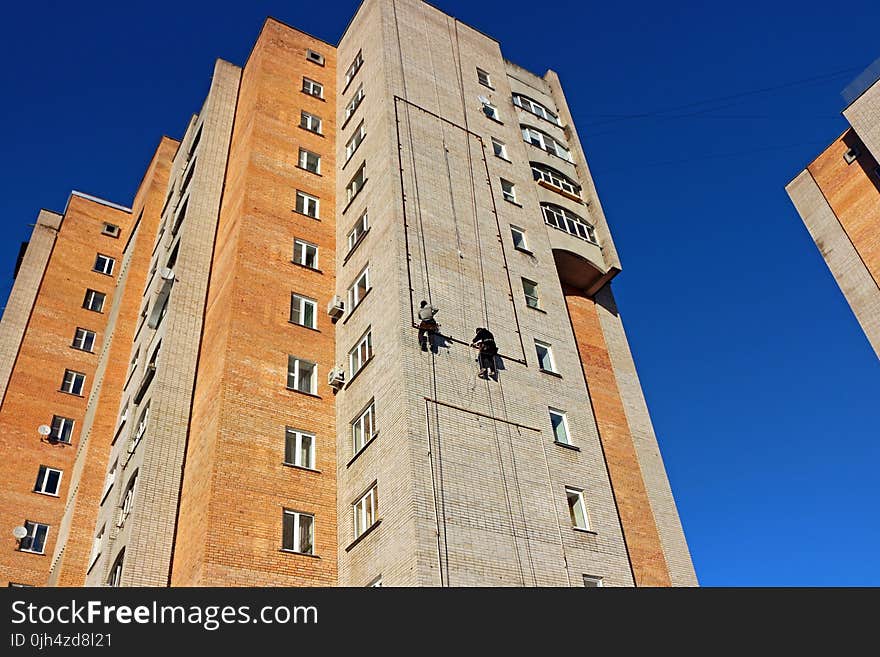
{"x":427,"y":324}
{"x":488,"y":350}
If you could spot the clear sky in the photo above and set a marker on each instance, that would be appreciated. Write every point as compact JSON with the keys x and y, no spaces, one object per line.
{"x":758,"y":377}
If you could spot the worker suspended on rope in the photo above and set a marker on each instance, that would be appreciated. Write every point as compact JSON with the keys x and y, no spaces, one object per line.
{"x":427,"y":324}
{"x":484,"y":341}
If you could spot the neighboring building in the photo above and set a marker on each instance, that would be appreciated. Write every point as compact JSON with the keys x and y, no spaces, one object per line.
{"x":256,"y":409}
{"x":838,"y":198}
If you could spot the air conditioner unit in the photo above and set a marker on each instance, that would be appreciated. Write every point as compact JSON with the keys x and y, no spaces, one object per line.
{"x":336,"y":378}
{"x":336,"y":307}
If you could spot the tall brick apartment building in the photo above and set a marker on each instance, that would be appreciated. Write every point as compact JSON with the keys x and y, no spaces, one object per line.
{"x":838,"y":198}
{"x":229,"y":370}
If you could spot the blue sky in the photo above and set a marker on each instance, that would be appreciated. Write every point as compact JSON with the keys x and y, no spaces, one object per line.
{"x":762,"y":387}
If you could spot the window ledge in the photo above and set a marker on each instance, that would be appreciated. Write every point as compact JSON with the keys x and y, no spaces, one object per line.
{"x":304,"y":326}
{"x":366,"y":532}
{"x":567,"y":446}
{"x":506,"y":159}
{"x":356,"y":374}
{"x":38,"y":554}
{"x":492,"y":118}
{"x":526,"y":251}
{"x":516,"y":203}
{"x":299,"y":264}
{"x":311,"y":132}
{"x":40,"y":492}
{"x":72,"y":394}
{"x":300,"y":467}
{"x":360,"y":303}
{"x":352,"y":199}
{"x":102,"y":273}
{"x":300,"y":392}
{"x":301,"y":554}
{"x":306,"y":93}
{"x":314,"y":173}
{"x":585,"y":531}
{"x":295,"y":211}
{"x":355,"y":246}
{"x":550,"y":372}
{"x":536,"y":308}
{"x":85,"y":351}
{"x":362,"y":450}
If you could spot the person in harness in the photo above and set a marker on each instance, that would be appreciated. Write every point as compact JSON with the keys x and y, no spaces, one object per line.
{"x":484,"y":341}
{"x":427,"y":324}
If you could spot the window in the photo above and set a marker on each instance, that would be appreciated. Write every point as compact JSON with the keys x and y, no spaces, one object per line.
{"x":545,"y":356}
{"x":484,"y":78}
{"x":352,"y":145}
{"x":104,"y":264}
{"x":310,"y":162}
{"x":576,"y":508}
{"x":359,"y":230}
{"x":353,"y":69}
{"x":305,"y":254}
{"x":315,"y":57}
{"x":127,"y":500}
{"x":35,"y":540}
{"x":172,"y":259}
{"x":530,"y":290}
{"x":307,"y":204}
{"x":188,"y":176}
{"x":499,"y":149}
{"x":73,"y":382}
{"x":554,"y":178}
{"x":302,"y":375}
{"x":96,"y":547}
{"x":48,"y":481}
{"x":84,"y":340}
{"x":140,"y":429}
{"x":313,"y":88}
{"x":519,"y":238}
{"x":310,"y":122}
{"x":303,"y":311}
{"x":535,"y":108}
{"x":110,"y":478}
{"x":179,"y":216}
{"x":851,"y":155}
{"x":376,"y":583}
{"x":195,"y":142}
{"x":545,"y":142}
{"x":298,"y":532}
{"x":490,"y":110}
{"x":360,"y":354}
{"x":591,"y":582}
{"x":559,"y":422}
{"x":366,"y":511}
{"x":508,"y":190}
{"x":568,"y":221}
{"x":358,"y":289}
{"x":299,"y":449}
{"x":363,"y":428}
{"x":356,"y":184}
{"x":62,"y":429}
{"x":354,"y":103}
{"x":115,"y":577}
{"x":94,"y":301}
{"x":132,"y":365}
{"x":110,"y":229}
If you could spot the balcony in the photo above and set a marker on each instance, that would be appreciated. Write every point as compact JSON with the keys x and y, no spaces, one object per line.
{"x":145,"y":383}
{"x":576,"y":251}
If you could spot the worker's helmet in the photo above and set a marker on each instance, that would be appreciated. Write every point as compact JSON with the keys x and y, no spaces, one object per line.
{"x":424,"y":303}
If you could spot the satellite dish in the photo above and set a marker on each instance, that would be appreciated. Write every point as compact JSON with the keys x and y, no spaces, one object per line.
{"x":44,"y":430}
{"x":166,"y":274}
{"x":19,"y":532}
{"x":485,"y":100}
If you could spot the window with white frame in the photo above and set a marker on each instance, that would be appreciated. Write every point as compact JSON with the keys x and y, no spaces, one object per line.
{"x":490,"y":110}
{"x":94,"y":300}
{"x":48,"y":480}
{"x":110,"y":229}
{"x":363,"y":428}
{"x":140,"y":429}
{"x":499,"y":148}
{"x":483,"y":78}
{"x":360,"y":353}
{"x":559,"y":423}
{"x":97,"y":545}
{"x":310,"y":162}
{"x":35,"y":539}
{"x":568,"y":221}
{"x":299,"y":448}
{"x":353,"y":69}
{"x":508,"y":190}
{"x":535,"y":108}
{"x":302,"y":375}
{"x":307,"y":204}
{"x":530,"y":290}
{"x":310,"y":122}
{"x":545,"y":356}
{"x":73,"y":382}
{"x":303,"y":311}
{"x":62,"y":429}
{"x":84,"y":340}
{"x":127,"y":500}
{"x":356,"y":139}
{"x":577,"y":510}
{"x":298,"y":532}
{"x":358,"y":289}
{"x":356,"y":183}
{"x":359,"y":230}
{"x":114,"y":579}
{"x":104,"y":264}
{"x":545,"y":142}
{"x":519,"y":238}
{"x":851,"y":155}
{"x":354,"y":103}
{"x":592,"y":582}
{"x":110,"y":478}
{"x":313,"y":88}
{"x":314,"y":57}
{"x":305,"y":254}
{"x":366,"y":511}
{"x":554,"y":178}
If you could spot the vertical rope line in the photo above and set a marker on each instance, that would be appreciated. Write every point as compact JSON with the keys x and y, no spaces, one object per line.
{"x":434,"y":491}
